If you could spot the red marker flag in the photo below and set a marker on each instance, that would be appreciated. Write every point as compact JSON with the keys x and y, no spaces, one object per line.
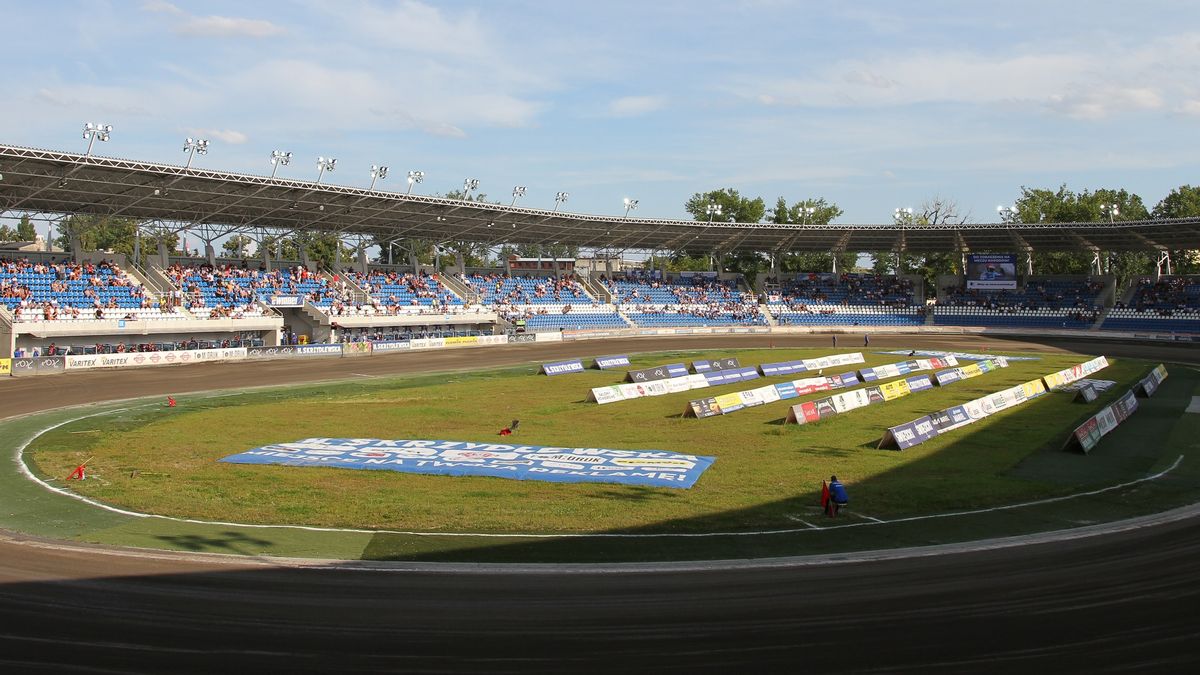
{"x":77,"y":474}
{"x":170,"y":401}
{"x":824,"y":495}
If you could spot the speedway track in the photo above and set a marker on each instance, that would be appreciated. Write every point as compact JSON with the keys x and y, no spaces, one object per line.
{"x":1103,"y":603}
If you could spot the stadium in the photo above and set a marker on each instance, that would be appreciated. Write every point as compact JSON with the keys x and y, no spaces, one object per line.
{"x":271,"y":423}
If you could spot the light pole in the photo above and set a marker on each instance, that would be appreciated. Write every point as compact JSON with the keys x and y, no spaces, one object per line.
{"x":92,"y":132}
{"x":469,"y":186}
{"x":559,"y":198}
{"x":630,"y":205}
{"x":1008,"y":214}
{"x":414,"y":177}
{"x":1110,"y":210}
{"x":377,"y":173}
{"x":192,"y":146}
{"x":518,"y":192}
{"x":713,"y":209}
{"x":806,"y":212}
{"x":325,"y":164}
{"x":903,"y":216}
{"x":278,"y":159}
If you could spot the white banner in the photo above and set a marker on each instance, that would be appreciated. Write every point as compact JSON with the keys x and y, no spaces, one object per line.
{"x":548,"y":337}
{"x":138,"y":359}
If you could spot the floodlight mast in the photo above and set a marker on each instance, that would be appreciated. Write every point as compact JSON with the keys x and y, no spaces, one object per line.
{"x":806,"y":213}
{"x":1110,"y":210}
{"x":279,"y":158}
{"x":903,"y":216}
{"x":414,"y":177}
{"x":518,"y":192}
{"x":378,"y":173}
{"x":92,"y":132}
{"x":469,"y":186}
{"x":559,"y":198}
{"x":325,"y":164}
{"x":1008,"y":214}
{"x":192,"y":146}
{"x":630,"y":205}
{"x":713,"y":209}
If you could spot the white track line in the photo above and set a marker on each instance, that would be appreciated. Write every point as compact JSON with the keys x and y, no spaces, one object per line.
{"x":20,"y":460}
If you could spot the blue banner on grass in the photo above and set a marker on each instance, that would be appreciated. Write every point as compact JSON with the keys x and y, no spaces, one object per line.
{"x":461,"y":458}
{"x":563,"y":367}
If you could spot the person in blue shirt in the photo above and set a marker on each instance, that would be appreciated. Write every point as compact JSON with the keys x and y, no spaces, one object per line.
{"x":838,"y":497}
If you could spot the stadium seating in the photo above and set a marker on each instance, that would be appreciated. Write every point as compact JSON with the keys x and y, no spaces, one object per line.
{"x":406,"y":289}
{"x":1015,"y":318}
{"x":69,"y":291}
{"x":846,"y":289}
{"x":227,"y":291}
{"x":498,"y":289}
{"x":846,"y":315}
{"x":539,"y":318}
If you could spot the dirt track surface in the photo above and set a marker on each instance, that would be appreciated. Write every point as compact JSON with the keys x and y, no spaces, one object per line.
{"x":1106,"y":603}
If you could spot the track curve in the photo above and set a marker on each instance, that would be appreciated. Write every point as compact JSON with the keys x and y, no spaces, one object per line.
{"x":1096,"y":604}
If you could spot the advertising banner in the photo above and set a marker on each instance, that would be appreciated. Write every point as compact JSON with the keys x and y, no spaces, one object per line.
{"x":1086,"y":393}
{"x":318,"y":350}
{"x":461,"y":340}
{"x":1126,"y":405}
{"x":825,"y":407}
{"x":715,"y":364}
{"x":524,"y":337}
{"x":918,"y":383}
{"x":950,"y":418}
{"x":493,"y":340}
{"x":657,"y":373}
{"x":1088,"y":434}
{"x":460,"y":458}
{"x":392,"y":346}
{"x":893,"y":390}
{"x":611,"y":362}
{"x":947,"y":376}
{"x":286,"y":351}
{"x":562,"y":367}
{"x":729,"y":403}
{"x":991,"y":271}
{"x":547,"y":337}
{"x":137,"y":359}
{"x":286,"y":301}
{"x":904,"y":436}
{"x":607,"y":394}
{"x":5,"y":367}
{"x":705,"y":407}
{"x":356,"y":348}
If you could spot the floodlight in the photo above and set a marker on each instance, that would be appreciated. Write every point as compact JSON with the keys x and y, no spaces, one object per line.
{"x":414,"y":177}
{"x":192,"y":146}
{"x":518,"y":191}
{"x":325,"y":164}
{"x":377,"y":173}
{"x":94,"y":132}
{"x":279,"y":158}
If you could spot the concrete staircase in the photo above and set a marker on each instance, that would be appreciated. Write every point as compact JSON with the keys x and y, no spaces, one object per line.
{"x":459,"y":288}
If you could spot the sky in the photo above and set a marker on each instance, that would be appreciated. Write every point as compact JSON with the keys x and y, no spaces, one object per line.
{"x":870,"y":105}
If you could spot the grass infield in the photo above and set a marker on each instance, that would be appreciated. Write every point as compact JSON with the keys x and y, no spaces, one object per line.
{"x":767,"y":474}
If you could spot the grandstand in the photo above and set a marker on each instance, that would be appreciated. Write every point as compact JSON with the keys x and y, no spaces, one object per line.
{"x":98,"y":297}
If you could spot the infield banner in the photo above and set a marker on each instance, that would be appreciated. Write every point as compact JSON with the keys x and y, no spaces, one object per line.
{"x":563,"y":367}
{"x":462,"y":458}
{"x":610,"y":362}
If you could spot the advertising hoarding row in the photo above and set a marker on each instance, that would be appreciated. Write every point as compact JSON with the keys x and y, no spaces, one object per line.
{"x":1088,"y":434}
{"x":810,"y":365}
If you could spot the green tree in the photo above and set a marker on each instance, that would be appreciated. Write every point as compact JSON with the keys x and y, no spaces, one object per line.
{"x":734,"y":207}
{"x":25,"y":230}
{"x":8,"y":234}
{"x":237,"y":246}
{"x":100,"y":233}
{"x":1182,"y":202}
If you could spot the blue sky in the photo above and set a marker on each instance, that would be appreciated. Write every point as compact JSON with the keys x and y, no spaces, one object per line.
{"x":871,"y":105}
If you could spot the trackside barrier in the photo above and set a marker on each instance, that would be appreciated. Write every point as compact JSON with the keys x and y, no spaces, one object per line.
{"x":904,"y":436}
{"x":809,"y":365}
{"x":38,"y":365}
{"x":812,"y":411}
{"x":611,"y":362}
{"x":670,"y":385}
{"x":138,"y":359}
{"x":657,"y":373}
{"x":562,"y":367}
{"x":715,"y":364}
{"x":281,"y":352}
{"x":1088,"y":434}
{"x":5,"y":367}
{"x":318,"y":350}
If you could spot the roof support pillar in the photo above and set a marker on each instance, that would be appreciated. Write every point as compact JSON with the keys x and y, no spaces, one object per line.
{"x":210,"y":253}
{"x":362,"y":259}
{"x":1164,"y":257}
{"x":1028,"y":263}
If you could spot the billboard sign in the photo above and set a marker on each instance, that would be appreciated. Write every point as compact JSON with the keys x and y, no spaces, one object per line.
{"x":994,"y":271}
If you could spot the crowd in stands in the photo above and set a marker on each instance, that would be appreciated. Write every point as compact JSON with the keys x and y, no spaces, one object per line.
{"x":1168,"y":296}
{"x":872,"y":290}
{"x":49,"y":291}
{"x":228,"y":291}
{"x":1048,"y":294}
{"x":503,"y":289}
{"x":394,"y":289}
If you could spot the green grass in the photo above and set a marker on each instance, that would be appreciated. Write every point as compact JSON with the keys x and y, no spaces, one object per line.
{"x":164,"y":461}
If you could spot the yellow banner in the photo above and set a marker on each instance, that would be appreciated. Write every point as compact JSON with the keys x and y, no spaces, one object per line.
{"x":892,"y":390}
{"x":1052,"y":380}
{"x":1033,"y":388}
{"x":5,"y":366}
{"x":971,"y":370}
{"x":463,"y":340}
{"x":729,"y":401}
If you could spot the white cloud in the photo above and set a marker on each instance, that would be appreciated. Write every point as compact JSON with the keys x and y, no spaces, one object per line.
{"x":632,"y":106}
{"x":224,"y":135}
{"x":1081,"y":83}
{"x":212,"y":26}
{"x":1191,"y":107}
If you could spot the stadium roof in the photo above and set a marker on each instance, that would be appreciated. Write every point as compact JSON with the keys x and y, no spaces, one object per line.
{"x":47,"y":181}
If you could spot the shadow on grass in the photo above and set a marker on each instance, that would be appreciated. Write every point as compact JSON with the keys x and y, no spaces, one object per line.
{"x":638,"y":494}
{"x":223,"y":542}
{"x":944,"y":487}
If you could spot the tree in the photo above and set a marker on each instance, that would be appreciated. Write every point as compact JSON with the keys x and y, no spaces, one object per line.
{"x":8,"y":234}
{"x":25,"y":230}
{"x":1182,"y":202}
{"x":734,"y":207}
{"x":1067,"y":206}
{"x":237,"y":246}
{"x":100,"y":233}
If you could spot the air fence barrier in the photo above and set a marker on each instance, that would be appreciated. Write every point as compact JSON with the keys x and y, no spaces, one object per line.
{"x":813,"y":410}
{"x":685,"y":382}
{"x":1087,"y":435}
{"x":915,"y":432}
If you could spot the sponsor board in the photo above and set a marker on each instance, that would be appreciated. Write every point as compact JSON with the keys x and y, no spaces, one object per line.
{"x":1086,"y":393}
{"x":904,"y":436}
{"x":5,"y":366}
{"x":286,"y":301}
{"x":1088,"y":434}
{"x":281,"y":352}
{"x":493,"y":340}
{"x":609,"y":394}
{"x":461,"y":340}
{"x":705,"y":407}
{"x":991,"y":271}
{"x":611,"y":362}
{"x":919,"y":383}
{"x":562,"y":367}
{"x":523,"y":337}
{"x":1098,"y":386}
{"x":729,"y":403}
{"x":947,"y":376}
{"x":356,"y":348}
{"x":958,"y":355}
{"x":319,"y":350}
{"x":138,"y":359}
{"x":657,"y":373}
{"x":950,"y":418}
{"x":392,"y":346}
{"x":25,"y":366}
{"x":461,"y":458}
{"x":548,"y":337}
{"x":715,"y":364}
{"x":893,"y":390}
